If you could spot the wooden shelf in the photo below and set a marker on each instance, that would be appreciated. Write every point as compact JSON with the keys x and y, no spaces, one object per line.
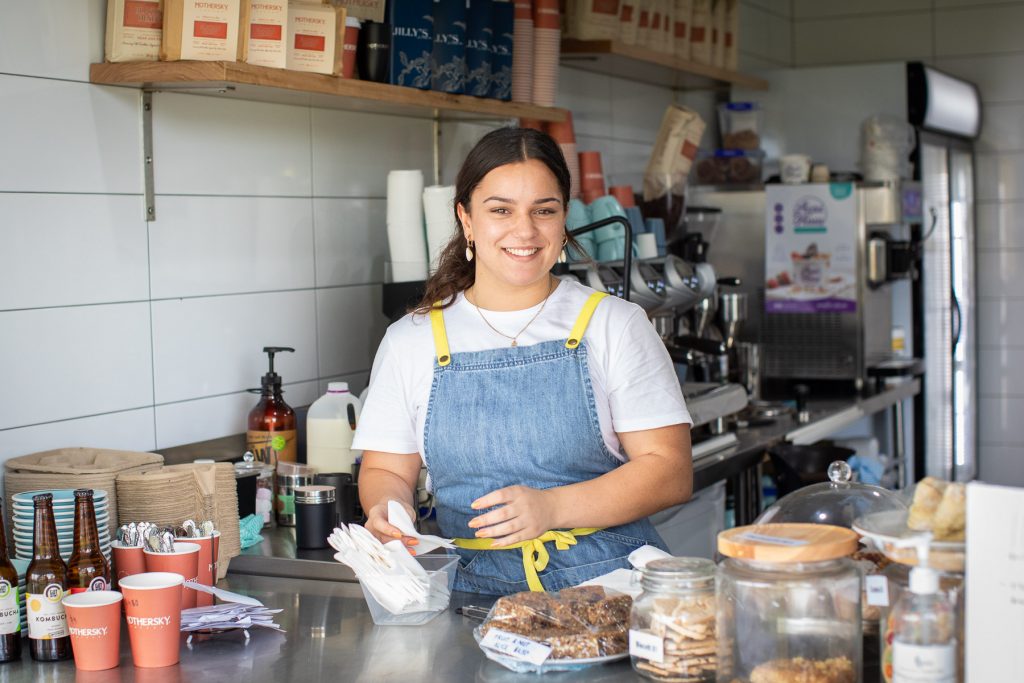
{"x":248,"y":82}
{"x":647,"y":66}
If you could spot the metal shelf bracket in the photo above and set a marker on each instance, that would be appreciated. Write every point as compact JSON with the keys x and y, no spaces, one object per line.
{"x":147,"y":154}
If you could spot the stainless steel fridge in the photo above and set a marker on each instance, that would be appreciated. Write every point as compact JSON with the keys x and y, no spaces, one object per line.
{"x":946,"y":328}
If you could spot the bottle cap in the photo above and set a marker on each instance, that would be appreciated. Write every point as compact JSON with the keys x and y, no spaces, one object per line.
{"x":352,"y":22}
{"x":337,"y":388}
{"x":924,"y":581}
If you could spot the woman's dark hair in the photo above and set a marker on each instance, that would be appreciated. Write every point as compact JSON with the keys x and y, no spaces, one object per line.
{"x":503,"y":146}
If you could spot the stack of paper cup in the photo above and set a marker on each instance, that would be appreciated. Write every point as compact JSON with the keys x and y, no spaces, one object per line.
{"x":591,"y":176}
{"x":522,"y":52}
{"x":407,"y":245}
{"x":647,"y":245}
{"x":546,"y":48}
{"x":564,"y":134}
{"x":438,"y":205}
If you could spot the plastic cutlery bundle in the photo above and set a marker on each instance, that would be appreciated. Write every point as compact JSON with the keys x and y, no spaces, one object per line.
{"x":396,"y":580}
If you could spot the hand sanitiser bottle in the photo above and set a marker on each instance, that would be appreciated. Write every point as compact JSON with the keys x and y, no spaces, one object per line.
{"x":924,"y":642}
{"x":330,"y":426}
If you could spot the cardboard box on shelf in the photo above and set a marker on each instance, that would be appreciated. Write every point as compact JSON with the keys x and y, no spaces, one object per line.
{"x":205,"y":30}
{"x":134,"y":30}
{"x":264,"y":32}
{"x":718,"y":34}
{"x":700,"y":32}
{"x":316,"y":40}
{"x":593,"y":19}
{"x":732,"y":31}
{"x":364,"y":10}
{"x":412,"y":42}
{"x":681,"y":30}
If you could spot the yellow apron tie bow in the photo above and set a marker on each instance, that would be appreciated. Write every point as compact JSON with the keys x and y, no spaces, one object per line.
{"x":535,"y":554}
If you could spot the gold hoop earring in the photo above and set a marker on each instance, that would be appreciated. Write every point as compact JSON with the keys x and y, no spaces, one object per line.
{"x":469,"y":250}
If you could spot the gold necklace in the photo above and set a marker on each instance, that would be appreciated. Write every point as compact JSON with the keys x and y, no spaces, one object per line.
{"x":528,"y":323}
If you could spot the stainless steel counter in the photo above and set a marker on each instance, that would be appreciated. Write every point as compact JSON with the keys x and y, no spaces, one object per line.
{"x":330,"y":637}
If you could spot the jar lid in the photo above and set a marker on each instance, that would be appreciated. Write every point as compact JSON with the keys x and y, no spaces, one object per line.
{"x":680,"y":567}
{"x":788,"y":542}
{"x":839,"y":501}
{"x":678,"y":573}
{"x":315,"y":493}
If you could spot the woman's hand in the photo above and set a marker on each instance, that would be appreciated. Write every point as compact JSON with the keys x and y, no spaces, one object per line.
{"x":524,"y":513}
{"x":377,"y":524}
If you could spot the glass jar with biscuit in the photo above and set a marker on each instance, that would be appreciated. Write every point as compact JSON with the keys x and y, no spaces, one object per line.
{"x":789,"y":604}
{"x":672,"y":625}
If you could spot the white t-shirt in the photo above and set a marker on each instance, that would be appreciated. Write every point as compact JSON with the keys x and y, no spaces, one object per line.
{"x":634,"y":382}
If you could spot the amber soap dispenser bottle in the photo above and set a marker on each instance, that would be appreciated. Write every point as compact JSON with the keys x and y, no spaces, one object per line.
{"x":271,"y":434}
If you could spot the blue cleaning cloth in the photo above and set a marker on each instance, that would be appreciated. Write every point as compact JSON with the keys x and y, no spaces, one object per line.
{"x":869,"y":469}
{"x":249,"y":529}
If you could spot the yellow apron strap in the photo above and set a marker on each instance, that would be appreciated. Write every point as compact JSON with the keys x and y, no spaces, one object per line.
{"x":535,"y":555}
{"x":576,"y":334}
{"x":444,"y":357}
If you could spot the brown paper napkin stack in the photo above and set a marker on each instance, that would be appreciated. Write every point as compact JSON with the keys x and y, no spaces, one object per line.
{"x":72,"y":468}
{"x":175,"y":493}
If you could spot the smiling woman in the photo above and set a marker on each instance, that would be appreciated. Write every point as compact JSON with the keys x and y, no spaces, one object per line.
{"x":543,"y":410}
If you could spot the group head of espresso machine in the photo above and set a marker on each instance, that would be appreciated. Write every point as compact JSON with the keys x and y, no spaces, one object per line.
{"x":675,"y":293}
{"x":662,"y":286}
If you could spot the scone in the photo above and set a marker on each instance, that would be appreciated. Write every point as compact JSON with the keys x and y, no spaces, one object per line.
{"x":950,"y":517}
{"x":927,"y":497}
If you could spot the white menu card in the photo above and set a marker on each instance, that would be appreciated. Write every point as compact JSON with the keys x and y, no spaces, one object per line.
{"x":995,"y":583}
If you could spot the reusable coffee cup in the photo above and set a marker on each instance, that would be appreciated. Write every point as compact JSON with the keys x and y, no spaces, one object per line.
{"x":207,"y":566}
{"x":373,"y":56}
{"x":94,"y":622}
{"x":128,"y":560}
{"x":183,"y":560}
{"x":337,"y":480}
{"x":152,"y":603}
{"x":348,"y":59}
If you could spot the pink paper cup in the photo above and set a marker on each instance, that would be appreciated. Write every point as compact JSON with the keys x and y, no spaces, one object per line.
{"x":94,"y":622}
{"x":152,"y":603}
{"x":127,"y":559}
{"x":184,"y":560}
{"x":208,"y":547}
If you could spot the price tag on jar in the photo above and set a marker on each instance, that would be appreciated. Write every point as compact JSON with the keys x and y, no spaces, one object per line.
{"x":877,"y":588}
{"x":647,"y":646}
{"x":515,"y":646}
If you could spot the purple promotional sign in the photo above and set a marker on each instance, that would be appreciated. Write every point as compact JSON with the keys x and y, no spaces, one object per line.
{"x":810,"y":248}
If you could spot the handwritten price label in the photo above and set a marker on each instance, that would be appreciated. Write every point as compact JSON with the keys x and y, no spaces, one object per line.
{"x":515,"y":646}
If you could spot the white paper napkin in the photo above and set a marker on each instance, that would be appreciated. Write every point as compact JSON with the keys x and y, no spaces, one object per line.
{"x":398,"y":517}
{"x":622,"y":580}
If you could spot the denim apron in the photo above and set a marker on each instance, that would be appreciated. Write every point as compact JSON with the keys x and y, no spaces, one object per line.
{"x":521,"y":415}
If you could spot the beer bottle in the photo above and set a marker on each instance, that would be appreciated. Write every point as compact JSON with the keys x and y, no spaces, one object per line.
{"x":45,"y":582}
{"x":10,"y":613}
{"x":88,"y":570}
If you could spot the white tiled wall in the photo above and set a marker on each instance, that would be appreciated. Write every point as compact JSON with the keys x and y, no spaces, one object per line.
{"x":270,"y":231}
{"x":979,"y":41}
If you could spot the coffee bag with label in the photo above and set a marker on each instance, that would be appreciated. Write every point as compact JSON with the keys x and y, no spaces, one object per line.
{"x":204,"y":30}
{"x":134,"y":30}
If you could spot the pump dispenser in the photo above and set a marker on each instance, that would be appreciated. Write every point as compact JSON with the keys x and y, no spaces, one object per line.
{"x":924,"y":640}
{"x":271,"y":434}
